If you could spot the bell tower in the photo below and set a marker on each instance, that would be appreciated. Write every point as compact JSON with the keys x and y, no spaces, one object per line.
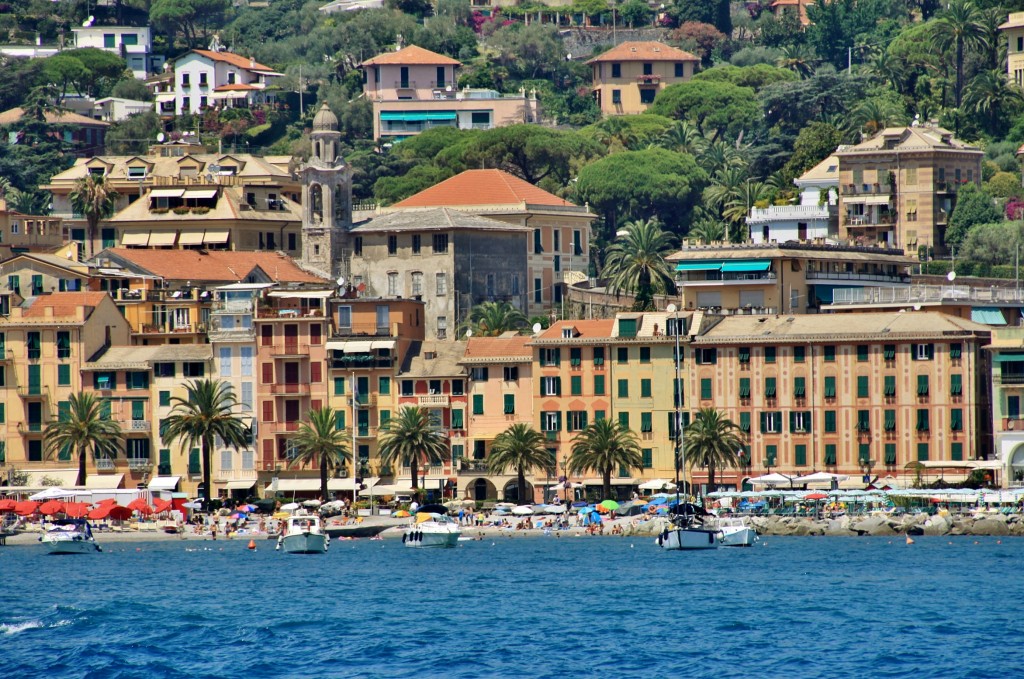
{"x":326,"y":199}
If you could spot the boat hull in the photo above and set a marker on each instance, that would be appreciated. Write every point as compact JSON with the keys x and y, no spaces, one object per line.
{"x":741,"y":536}
{"x":70,"y":545}
{"x":304,"y":543}
{"x":688,"y":538}
{"x":417,"y":538}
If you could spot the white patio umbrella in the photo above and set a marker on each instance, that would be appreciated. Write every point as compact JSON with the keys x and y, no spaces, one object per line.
{"x":522,"y":510}
{"x":291,"y":506}
{"x":820,"y":477}
{"x":774,"y":478}
{"x":657,"y":484}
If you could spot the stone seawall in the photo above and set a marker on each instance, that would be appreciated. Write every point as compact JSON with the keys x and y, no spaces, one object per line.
{"x":874,"y":525}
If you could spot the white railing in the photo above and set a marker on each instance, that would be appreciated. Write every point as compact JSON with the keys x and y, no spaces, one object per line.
{"x":139,"y":425}
{"x":854,"y":276}
{"x":918,"y":294}
{"x":434,"y":400}
{"x":139,"y":463}
{"x":779,"y":212}
{"x":104,"y":464}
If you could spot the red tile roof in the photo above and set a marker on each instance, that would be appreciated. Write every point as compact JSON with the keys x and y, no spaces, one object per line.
{"x":62,"y":118}
{"x":596,"y":329}
{"x":482,"y":187}
{"x":498,"y":347}
{"x":234,"y":60}
{"x":64,"y":304}
{"x":215,"y":265}
{"x":412,"y":56}
{"x":644,"y":51}
{"x":236,"y":87}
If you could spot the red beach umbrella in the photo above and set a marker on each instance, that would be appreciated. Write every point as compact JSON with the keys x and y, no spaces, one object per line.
{"x":109,"y":502}
{"x":816,"y":496}
{"x":26,"y":507}
{"x":8,"y":505}
{"x":140,"y":505}
{"x":119,"y":513}
{"x":76,"y":510}
{"x":161,"y":506}
{"x":51,"y":507}
{"x":99,"y":513}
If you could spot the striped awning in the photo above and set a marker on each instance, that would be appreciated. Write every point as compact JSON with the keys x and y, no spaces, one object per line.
{"x":190,"y":238}
{"x":136,"y":239}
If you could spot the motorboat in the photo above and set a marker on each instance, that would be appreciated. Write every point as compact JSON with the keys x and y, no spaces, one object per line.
{"x":363,"y":527}
{"x":432,"y":527}
{"x":303,"y":534}
{"x":687,"y":530}
{"x":70,"y":536}
{"x":736,"y":532}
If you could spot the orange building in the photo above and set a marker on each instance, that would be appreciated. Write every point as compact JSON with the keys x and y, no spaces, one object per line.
{"x":628,"y":77}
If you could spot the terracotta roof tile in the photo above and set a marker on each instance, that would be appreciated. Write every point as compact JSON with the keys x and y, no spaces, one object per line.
{"x":216,"y":265}
{"x":508,"y":348}
{"x":644,"y":51}
{"x":236,"y":87}
{"x":594,"y":329}
{"x":64,"y":304}
{"x":482,"y":187}
{"x":412,"y":56}
{"x":234,"y":60}
{"x":64,"y":118}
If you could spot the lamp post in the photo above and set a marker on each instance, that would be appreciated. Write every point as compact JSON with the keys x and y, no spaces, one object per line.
{"x":866,"y":465}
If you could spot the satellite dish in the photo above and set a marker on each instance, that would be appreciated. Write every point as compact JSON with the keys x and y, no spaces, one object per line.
{"x":917,"y":307}
{"x":469,"y":333}
{"x":951,"y":276}
{"x":160,"y":137}
{"x":341,"y":281}
{"x":448,"y":89}
{"x":671,"y":308}
{"x":536,"y":328}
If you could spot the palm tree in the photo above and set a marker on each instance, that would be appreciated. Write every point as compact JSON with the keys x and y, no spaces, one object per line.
{"x":28,"y":202}
{"x":322,"y":442}
{"x":712,"y":441}
{"x":636,"y":262}
{"x":490,"y":319}
{"x":683,"y":137}
{"x":725,"y":185}
{"x":207,"y":412}
{"x":412,"y":437}
{"x":603,"y":446}
{"x":84,"y":426}
{"x":747,"y":195}
{"x":960,"y":26}
{"x":797,"y":58}
{"x":520,"y":447}
{"x":989,"y":94}
{"x":94,"y":198}
{"x":874,"y":115}
{"x":719,"y":156}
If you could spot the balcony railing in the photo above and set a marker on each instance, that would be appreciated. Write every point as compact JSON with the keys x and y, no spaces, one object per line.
{"x":32,"y":392}
{"x":285,"y":350}
{"x":282,"y":427}
{"x":922,"y":294}
{"x":366,"y":432}
{"x":434,"y":400}
{"x":855,"y":276}
{"x":648,"y":79}
{"x":865,"y":189}
{"x":233,"y":306}
{"x":353,"y":362}
{"x":1011,"y":378}
{"x":348,"y":333}
{"x":139,"y":425}
{"x":104,"y":464}
{"x":299,"y":388}
{"x":30,"y":427}
{"x":270,"y":313}
{"x":138,"y":464}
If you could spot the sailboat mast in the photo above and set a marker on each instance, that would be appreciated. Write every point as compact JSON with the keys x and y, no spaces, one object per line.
{"x":678,"y":391}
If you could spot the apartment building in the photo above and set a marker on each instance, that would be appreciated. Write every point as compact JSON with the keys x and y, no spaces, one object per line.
{"x":1013,"y":32}
{"x":813,"y":218}
{"x":27,"y":232}
{"x":899,"y":187}
{"x":134,"y":44}
{"x":558,"y":252}
{"x":628,"y":77}
{"x":205,"y":78}
{"x":871,"y":397}
{"x":414,"y":89}
{"x":44,"y":346}
{"x":1007,"y":355}
{"x":84,"y":135}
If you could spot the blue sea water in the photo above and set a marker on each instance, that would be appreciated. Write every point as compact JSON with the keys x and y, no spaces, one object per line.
{"x":543,"y":607}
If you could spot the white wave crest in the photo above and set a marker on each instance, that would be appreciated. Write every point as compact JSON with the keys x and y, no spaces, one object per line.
{"x":15,"y":627}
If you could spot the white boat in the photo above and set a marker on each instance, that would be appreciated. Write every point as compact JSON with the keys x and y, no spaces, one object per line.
{"x":736,"y":532}
{"x":303,"y":534}
{"x":688,"y":531}
{"x":70,"y":536}
{"x":432,"y":527}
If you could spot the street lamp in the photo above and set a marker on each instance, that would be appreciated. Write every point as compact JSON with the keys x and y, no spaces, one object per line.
{"x":866,"y":465}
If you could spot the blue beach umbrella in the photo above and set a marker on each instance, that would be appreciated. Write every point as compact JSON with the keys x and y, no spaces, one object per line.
{"x":586,"y":510}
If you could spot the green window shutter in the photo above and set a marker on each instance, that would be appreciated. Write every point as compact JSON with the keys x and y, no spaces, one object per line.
{"x":792,"y":421}
{"x":769,"y":387}
{"x":798,"y":354}
{"x":384,"y":386}
{"x":890,"y":385}
{"x":830,"y":453}
{"x":3,"y":413}
{"x":744,"y":387}
{"x":677,"y":393}
{"x":3,"y":452}
{"x":648,"y":457}
{"x":830,"y":387}
{"x":194,"y":462}
{"x":339,"y":386}
{"x":339,"y":419}
{"x":807,"y":421}
{"x":829,"y":352}
{"x":956,"y":451}
{"x":800,"y":455}
{"x":799,"y":387}
{"x":645,"y":354}
{"x":705,"y":388}
{"x":922,"y":419}
{"x":575,"y":356}
{"x":645,"y":388}
{"x":864,"y":420}
{"x":510,"y":404}
{"x":764,"y":422}
{"x":63,"y":411}
{"x":930,"y":349}
{"x":385,"y":419}
{"x":645,"y":422}
{"x":830,"y":421}
{"x":744,"y":421}
{"x":622,"y":355}
{"x":889,"y":352}
{"x":104,"y":409}
{"x":598,"y":355}
{"x":862,"y":386}
{"x":478,"y":404}
{"x":457,"y":419}
{"x":598,"y":415}
{"x":165,"y":398}
{"x":138,"y":410}
{"x":744,"y":354}
{"x":956,"y":419}
{"x":623,"y":388}
{"x":890,"y":453}
{"x":63,"y":375}
{"x":862,"y":353}
{"x":772,"y":455}
{"x":64,"y":454}
{"x":558,"y":386}
{"x":598,"y":385}
{"x":863,"y":453}
{"x":922,"y":385}
{"x":558,"y":356}
{"x":769,"y":354}
{"x":576,"y":385}
{"x":627,"y":327}
{"x":922,"y":452}
{"x":624,"y":420}
{"x":956,"y":384}
{"x":890,"y":420}
{"x":956,"y":350}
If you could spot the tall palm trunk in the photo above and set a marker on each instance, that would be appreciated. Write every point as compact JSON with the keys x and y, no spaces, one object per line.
{"x":959,"y":71}
{"x":323,"y":480}
{"x":607,"y":478}
{"x":413,"y":464}
{"x":207,"y":495}
{"x":522,"y":485}
{"x":711,"y":476}
{"x":82,"y":452}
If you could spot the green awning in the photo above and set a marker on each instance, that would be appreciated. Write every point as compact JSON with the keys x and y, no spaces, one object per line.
{"x":988,"y":316}
{"x":1008,"y":357}
{"x":418,"y":116}
{"x":699,"y":266}
{"x":754,"y":265}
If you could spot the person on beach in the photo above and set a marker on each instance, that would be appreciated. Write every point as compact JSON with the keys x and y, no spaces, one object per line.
{"x":213,"y":529}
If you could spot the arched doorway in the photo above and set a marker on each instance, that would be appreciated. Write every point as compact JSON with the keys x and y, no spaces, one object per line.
{"x":511,"y":493}
{"x":1017,"y":467}
{"x":480,"y":490}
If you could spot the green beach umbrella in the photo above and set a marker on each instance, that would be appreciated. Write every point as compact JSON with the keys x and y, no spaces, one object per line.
{"x":610,"y":505}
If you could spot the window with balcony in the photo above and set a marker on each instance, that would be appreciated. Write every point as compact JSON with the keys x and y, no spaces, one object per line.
{"x":551,"y":420}
{"x":800,"y":421}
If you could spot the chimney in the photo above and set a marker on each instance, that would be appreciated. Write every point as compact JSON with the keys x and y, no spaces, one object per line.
{"x":252,"y":62}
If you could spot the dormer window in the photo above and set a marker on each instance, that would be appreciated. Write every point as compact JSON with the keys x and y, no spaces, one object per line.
{"x":137,"y":172}
{"x":566,"y":333}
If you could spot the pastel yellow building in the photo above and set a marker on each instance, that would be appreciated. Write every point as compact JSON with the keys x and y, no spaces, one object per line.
{"x":1013,"y":32}
{"x":628,"y":77}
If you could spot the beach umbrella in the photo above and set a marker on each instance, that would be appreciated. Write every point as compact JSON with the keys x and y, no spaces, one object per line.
{"x":26,"y":507}
{"x":109,"y":502}
{"x":161,"y":506}
{"x":119,"y":513}
{"x":51,"y":507}
{"x":586,"y":510}
{"x":311,"y":503}
{"x":290,"y":507}
{"x":75,"y":510}
{"x":816,"y":496}
{"x":610,"y":505}
{"x":8,"y":505}
{"x":523,"y":510}
{"x":140,"y":505}
{"x":100,"y":513}
{"x":401,"y":514}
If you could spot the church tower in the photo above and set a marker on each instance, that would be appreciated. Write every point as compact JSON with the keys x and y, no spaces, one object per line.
{"x":326,"y":199}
